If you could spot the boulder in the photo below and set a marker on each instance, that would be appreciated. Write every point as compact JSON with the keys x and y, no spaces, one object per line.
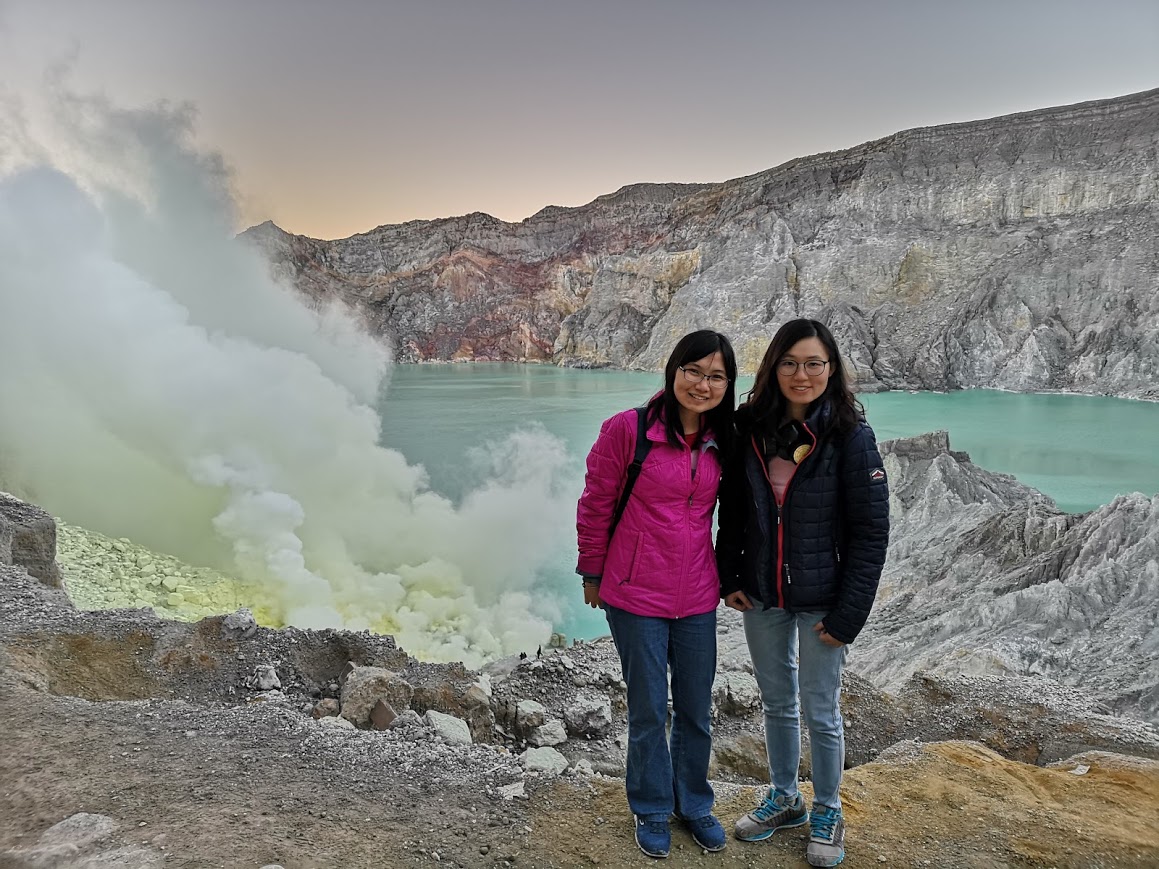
{"x":736,"y":693}
{"x":453,"y":731}
{"x":28,"y":540}
{"x":551,"y":732}
{"x":364,"y":687}
{"x":529,"y":714}
{"x":543,"y":760}
{"x":588,"y":717}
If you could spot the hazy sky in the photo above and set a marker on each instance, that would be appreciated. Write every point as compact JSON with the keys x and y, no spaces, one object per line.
{"x":342,"y":115}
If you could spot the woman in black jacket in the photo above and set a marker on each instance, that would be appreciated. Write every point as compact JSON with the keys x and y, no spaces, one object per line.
{"x":803,"y":528}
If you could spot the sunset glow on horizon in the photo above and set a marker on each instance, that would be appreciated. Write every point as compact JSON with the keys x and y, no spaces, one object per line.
{"x":336,"y":119}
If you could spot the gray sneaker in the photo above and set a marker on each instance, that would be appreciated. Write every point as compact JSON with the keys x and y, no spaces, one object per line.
{"x":777,"y":812}
{"x":826,"y":837}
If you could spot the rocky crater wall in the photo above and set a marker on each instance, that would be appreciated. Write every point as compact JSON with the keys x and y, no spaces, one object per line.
{"x":1020,"y":252}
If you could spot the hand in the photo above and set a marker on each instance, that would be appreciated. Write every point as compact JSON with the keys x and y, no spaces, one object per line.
{"x":825,"y":637}
{"x":592,"y":596}
{"x":739,"y":601}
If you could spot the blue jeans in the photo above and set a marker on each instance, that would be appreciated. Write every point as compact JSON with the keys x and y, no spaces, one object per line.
{"x":666,"y":777}
{"x":774,"y":638}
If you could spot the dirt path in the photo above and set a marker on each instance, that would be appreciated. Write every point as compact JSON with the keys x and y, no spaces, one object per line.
{"x":220,"y":787}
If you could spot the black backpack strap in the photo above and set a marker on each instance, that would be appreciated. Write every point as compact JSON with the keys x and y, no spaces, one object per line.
{"x":642,"y":447}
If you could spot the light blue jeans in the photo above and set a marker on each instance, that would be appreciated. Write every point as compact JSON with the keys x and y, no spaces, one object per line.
{"x":774,"y":639}
{"x":667,"y":774}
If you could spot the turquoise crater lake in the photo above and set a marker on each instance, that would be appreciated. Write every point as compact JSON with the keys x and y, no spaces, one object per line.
{"x":1082,"y":451}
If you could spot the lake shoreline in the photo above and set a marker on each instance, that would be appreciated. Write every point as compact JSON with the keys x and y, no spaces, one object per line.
{"x":858,"y":388}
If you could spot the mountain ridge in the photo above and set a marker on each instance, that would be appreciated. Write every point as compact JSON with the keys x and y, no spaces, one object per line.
{"x":1017,"y":253}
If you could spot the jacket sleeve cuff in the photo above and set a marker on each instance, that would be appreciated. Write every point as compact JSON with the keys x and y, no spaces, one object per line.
{"x":590,"y":566}
{"x":840,"y":629}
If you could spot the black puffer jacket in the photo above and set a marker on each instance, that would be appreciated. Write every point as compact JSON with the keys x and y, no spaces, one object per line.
{"x":828,"y":550}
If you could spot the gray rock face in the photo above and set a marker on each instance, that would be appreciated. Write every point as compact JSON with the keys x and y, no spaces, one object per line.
{"x":28,"y":540}
{"x":986,"y":577}
{"x":1019,"y":252}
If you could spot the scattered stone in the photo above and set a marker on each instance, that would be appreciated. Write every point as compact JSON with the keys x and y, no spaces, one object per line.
{"x":529,"y":714}
{"x":513,"y":791}
{"x":265,"y":678}
{"x":239,"y":625}
{"x":325,"y":708}
{"x":382,"y":715}
{"x":589,"y":717}
{"x":453,"y":730}
{"x":543,"y":760}
{"x":551,"y":732}
{"x":736,"y":693}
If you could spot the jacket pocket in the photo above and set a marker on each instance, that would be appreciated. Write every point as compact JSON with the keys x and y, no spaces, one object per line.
{"x":634,"y":558}
{"x":623,"y":556}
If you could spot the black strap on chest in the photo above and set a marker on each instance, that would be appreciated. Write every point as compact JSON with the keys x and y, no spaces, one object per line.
{"x":643,"y":445}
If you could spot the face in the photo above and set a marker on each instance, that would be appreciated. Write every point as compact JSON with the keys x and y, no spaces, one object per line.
{"x":802,"y":388}
{"x":703,"y":396}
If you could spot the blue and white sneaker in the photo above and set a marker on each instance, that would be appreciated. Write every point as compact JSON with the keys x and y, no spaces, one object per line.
{"x":653,"y":837}
{"x":707,"y":832}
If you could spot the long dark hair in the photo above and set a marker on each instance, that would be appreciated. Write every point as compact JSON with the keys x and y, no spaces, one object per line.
{"x":767,"y":404}
{"x":691,"y":348}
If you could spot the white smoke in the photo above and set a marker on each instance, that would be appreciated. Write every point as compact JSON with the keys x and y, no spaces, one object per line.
{"x":156,"y":383}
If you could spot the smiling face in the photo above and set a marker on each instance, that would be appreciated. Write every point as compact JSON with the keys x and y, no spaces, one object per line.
{"x":697,"y":398}
{"x":801,"y":388}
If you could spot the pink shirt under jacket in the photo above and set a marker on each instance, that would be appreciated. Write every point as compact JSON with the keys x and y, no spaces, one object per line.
{"x":660,"y":561}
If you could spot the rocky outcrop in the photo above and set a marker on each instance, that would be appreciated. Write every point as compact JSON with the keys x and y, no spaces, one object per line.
{"x":1019,"y":252}
{"x":986,"y":577}
{"x":28,"y":540}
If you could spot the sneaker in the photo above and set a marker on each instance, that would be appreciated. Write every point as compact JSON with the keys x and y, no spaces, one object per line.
{"x":653,"y":837}
{"x":777,"y":812}
{"x":707,"y":832}
{"x":827,"y":837}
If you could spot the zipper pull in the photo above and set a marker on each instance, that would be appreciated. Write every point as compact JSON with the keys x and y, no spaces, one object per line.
{"x":788,"y":576}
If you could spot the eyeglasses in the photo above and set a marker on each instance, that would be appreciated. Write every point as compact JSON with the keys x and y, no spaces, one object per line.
{"x":788,"y":367}
{"x":716,"y":381}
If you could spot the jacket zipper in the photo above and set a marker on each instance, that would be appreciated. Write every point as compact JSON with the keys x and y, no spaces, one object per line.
{"x":688,"y":529}
{"x":782,"y":564}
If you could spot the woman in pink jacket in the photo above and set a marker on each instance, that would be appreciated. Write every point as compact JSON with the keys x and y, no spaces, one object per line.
{"x":654,"y":573}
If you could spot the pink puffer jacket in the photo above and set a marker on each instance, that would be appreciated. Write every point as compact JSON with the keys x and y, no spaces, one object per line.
{"x":660,"y":561}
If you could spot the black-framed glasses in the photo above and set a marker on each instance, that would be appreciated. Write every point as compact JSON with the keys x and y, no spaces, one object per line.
{"x":717,"y":381}
{"x":814,"y":367}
